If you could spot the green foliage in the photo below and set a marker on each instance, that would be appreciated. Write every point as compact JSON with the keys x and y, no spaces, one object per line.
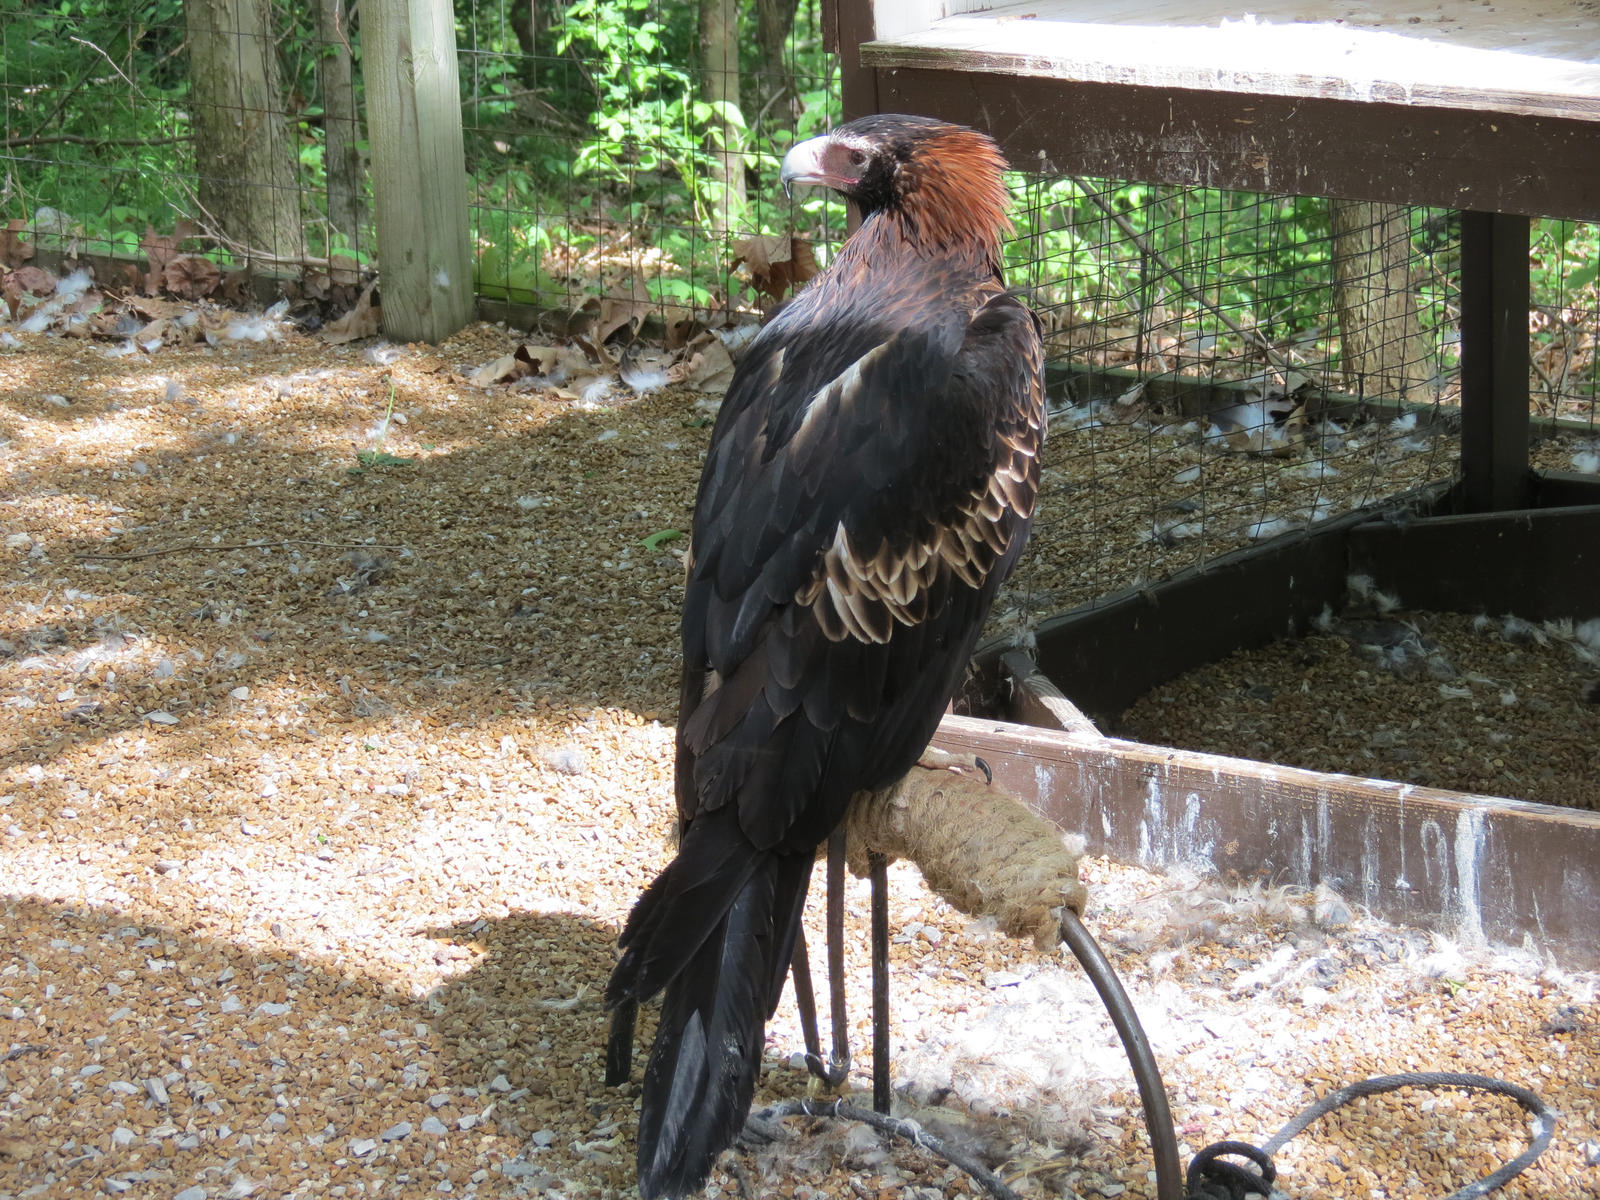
{"x":372,"y":460}
{"x":1094,"y":249}
{"x":81,"y":73}
{"x":509,"y":263}
{"x":1565,"y":257}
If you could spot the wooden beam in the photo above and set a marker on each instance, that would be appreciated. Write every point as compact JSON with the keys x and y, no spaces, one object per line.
{"x":1539,"y":563}
{"x":419,"y":174}
{"x":1494,"y":361}
{"x":1563,"y":489}
{"x":1480,"y":869}
{"x":1490,"y":63}
{"x":854,"y":23}
{"x":1541,"y":166}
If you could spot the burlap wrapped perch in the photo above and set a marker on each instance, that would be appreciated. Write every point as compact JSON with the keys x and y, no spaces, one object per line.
{"x":977,"y":847}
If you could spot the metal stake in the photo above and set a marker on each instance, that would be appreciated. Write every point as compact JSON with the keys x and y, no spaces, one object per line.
{"x":879,"y":869}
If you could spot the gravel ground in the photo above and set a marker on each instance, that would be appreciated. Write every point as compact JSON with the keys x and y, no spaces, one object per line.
{"x":313,"y":853}
{"x":1498,"y":707}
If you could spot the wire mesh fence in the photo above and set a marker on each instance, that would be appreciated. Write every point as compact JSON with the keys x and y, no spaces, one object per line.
{"x":1227,"y":367}
{"x":93,"y":137}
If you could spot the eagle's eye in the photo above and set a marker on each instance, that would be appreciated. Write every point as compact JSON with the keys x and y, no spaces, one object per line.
{"x":857,"y":157}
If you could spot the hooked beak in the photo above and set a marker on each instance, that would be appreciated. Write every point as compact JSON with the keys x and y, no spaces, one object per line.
{"x":806,"y":162}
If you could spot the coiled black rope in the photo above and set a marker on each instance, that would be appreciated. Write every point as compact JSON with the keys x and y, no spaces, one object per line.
{"x":1206,"y":1181}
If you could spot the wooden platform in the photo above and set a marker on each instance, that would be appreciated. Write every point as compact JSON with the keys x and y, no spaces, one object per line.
{"x":1515,"y":56}
{"x":1542,"y":563}
{"x":1492,"y":108}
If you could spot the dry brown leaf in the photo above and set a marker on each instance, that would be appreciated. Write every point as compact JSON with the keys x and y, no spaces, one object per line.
{"x":36,"y":281}
{"x":344,"y":271}
{"x":27,"y":281}
{"x":13,"y":250}
{"x":152,"y":307}
{"x":337,"y":281}
{"x":709,"y":368}
{"x":315,"y":283}
{"x":499,"y":370}
{"x":91,"y":301}
{"x":127,"y":277}
{"x":364,"y":320}
{"x":525,"y":360}
{"x":192,"y":277}
{"x":681,"y":324}
{"x":161,"y":249}
{"x":777,"y":262}
{"x":614,"y":315}
{"x":156,"y":331}
{"x":602,"y":317}
{"x":540,"y":360}
{"x":158,"y":249}
{"x":108,"y":324}
{"x":235,"y":289}
{"x":594,"y":349}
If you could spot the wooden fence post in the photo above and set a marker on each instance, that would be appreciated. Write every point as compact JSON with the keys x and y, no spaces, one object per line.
{"x":419,"y":177}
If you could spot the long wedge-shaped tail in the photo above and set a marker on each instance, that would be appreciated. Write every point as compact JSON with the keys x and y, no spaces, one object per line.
{"x":707,"y":1053}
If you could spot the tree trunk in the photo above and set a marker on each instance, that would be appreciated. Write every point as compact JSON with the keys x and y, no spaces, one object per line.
{"x":341,"y":126}
{"x":774,"y":20}
{"x":1382,"y":350}
{"x":524,"y":17}
{"x":419,"y":174}
{"x":719,"y":67}
{"x":242,"y":148}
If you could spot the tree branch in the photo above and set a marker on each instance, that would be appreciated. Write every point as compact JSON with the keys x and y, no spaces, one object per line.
{"x":78,"y":140}
{"x":1188,"y":289}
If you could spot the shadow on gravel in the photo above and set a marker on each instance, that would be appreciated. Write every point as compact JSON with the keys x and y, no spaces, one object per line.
{"x":143,"y":1056}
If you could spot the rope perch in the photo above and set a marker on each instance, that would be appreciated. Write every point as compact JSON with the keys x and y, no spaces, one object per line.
{"x":976,"y":846}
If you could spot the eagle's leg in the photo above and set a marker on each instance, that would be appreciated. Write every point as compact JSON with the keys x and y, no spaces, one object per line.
{"x":839,"y":1064}
{"x":833,"y":1072}
{"x":805,"y":1000}
{"x":878,"y":867}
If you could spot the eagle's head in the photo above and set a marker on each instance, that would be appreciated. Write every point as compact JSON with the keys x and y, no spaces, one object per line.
{"x":947,"y":180}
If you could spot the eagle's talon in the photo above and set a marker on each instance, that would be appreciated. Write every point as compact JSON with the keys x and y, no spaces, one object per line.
{"x":962,"y":764}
